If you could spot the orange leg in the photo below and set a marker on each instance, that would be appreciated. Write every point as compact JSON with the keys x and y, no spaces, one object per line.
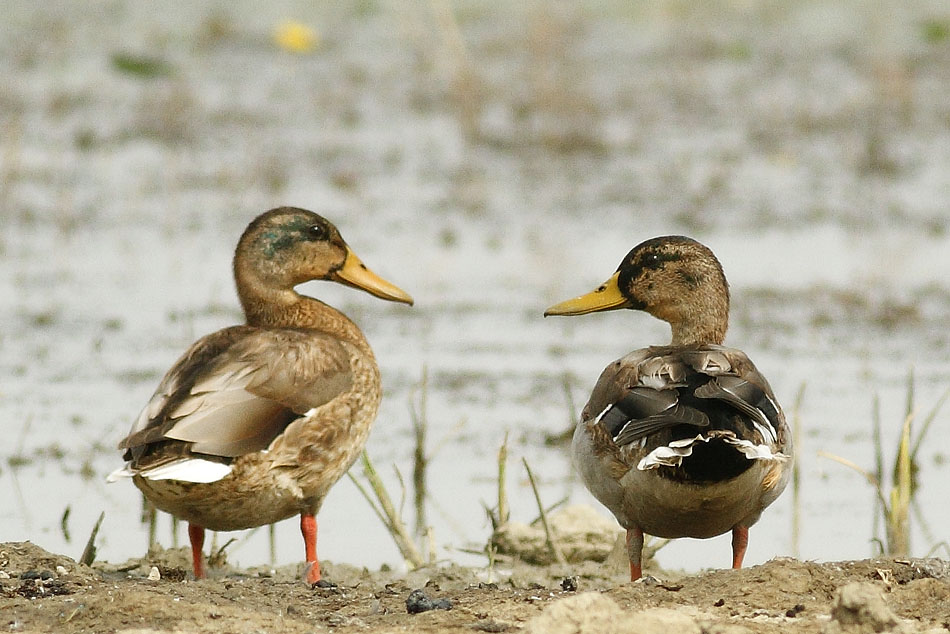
{"x":634,"y":552}
{"x":308,"y":527}
{"x":740,"y":540}
{"x":196,"y":535}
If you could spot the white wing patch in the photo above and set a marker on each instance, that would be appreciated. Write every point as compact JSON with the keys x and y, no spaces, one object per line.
{"x":118,"y":474}
{"x":672,"y":454}
{"x":189,"y":470}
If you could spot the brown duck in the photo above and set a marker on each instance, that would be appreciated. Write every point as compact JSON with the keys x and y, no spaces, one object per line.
{"x":255,"y":423}
{"x":684,"y":440}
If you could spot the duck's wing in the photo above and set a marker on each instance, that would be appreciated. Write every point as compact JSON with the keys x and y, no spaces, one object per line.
{"x":233,"y":392}
{"x":735,"y":381}
{"x":749,"y":398}
{"x":637,"y":396}
{"x":644,"y":411}
{"x":657,"y":389}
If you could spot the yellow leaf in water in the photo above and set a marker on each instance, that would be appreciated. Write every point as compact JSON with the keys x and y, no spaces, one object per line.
{"x":296,"y":37}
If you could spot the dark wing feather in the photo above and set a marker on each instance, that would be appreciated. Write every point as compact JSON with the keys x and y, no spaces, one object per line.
{"x":678,"y":415}
{"x":657,"y":388}
{"x":746,"y":396}
{"x":643,"y":411}
{"x":637,"y":403}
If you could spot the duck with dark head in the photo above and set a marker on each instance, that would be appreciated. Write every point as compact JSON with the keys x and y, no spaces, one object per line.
{"x":686,"y":439}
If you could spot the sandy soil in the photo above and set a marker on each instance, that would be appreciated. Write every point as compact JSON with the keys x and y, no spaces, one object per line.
{"x":42,"y":591}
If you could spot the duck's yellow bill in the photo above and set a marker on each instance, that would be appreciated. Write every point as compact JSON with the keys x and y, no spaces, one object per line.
{"x":355,"y":273}
{"x":607,"y":296}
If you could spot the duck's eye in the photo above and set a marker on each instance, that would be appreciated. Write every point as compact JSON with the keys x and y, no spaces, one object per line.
{"x":651,"y":260}
{"x":317,"y":232}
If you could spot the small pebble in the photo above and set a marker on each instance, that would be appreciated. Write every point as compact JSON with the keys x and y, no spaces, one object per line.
{"x":418,"y":601}
{"x":154,"y":574}
{"x":4,"y":575}
{"x":61,"y":571}
{"x":569,"y":584}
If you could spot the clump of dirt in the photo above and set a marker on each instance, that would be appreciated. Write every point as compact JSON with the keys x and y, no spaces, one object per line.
{"x":581,"y":533}
{"x":41,"y":591}
{"x":860,"y":608}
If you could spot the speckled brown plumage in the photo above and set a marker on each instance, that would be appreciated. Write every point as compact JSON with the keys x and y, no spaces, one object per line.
{"x":683,"y":440}
{"x":255,"y":423}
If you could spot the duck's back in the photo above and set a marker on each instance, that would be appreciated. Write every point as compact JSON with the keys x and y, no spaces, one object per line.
{"x":681,"y":420}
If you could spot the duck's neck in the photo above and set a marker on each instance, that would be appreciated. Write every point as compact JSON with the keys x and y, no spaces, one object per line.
{"x":286,"y":308}
{"x":694,"y":334}
{"x":700,"y":318}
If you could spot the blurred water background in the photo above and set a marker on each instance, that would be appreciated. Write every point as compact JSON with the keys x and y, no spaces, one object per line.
{"x":491,"y":158}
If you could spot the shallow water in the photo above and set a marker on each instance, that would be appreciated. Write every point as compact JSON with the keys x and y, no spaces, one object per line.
{"x":819,"y":173}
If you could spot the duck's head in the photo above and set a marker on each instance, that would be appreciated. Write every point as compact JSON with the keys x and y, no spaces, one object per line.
{"x":288,"y":246}
{"x":674,"y":278}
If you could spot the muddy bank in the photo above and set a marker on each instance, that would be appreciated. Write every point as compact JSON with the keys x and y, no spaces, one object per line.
{"x":42,"y":591}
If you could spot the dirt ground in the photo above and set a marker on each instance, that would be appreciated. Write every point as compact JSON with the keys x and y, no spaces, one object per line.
{"x":42,"y":591}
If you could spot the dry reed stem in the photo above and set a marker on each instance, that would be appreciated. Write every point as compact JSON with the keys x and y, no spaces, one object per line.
{"x":149,"y":516}
{"x":896,"y":506}
{"x":64,"y":523}
{"x":369,"y":499}
{"x":430,"y":544}
{"x":796,"y":472}
{"x":89,"y":552}
{"x":548,"y":535}
{"x":880,"y":512}
{"x":872,"y":480}
{"x":925,"y":426}
{"x":387,"y":514}
{"x":492,"y":553}
{"x":898,"y":519}
{"x":420,"y":462}
{"x":272,"y":543}
{"x":217,"y":557}
{"x":503,"y":512}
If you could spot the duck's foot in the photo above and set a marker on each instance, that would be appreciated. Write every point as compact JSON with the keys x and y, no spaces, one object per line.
{"x":635,"y":552}
{"x":196,"y":535}
{"x":312,"y":576}
{"x":740,"y":541}
{"x":308,"y":528}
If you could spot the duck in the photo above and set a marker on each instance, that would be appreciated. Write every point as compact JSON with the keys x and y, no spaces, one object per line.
{"x":254,"y":423}
{"x":685,"y":439}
